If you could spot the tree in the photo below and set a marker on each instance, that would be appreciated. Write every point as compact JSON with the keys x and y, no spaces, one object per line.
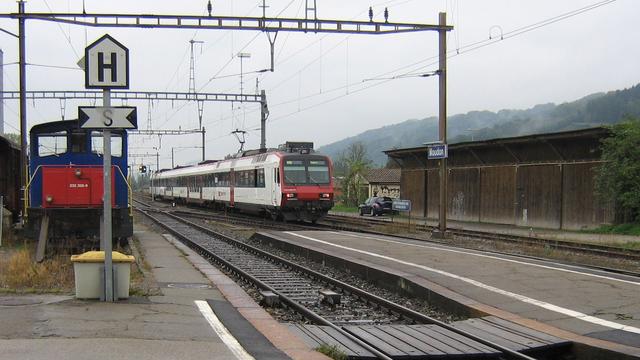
{"x":15,"y":138}
{"x":618,"y":178}
{"x":356,"y":164}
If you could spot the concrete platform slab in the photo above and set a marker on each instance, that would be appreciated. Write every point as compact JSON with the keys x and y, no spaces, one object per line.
{"x":565,"y":298}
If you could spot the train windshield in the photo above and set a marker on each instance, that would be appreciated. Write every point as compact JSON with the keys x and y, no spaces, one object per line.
{"x":318,"y":172}
{"x":306,"y":171}
{"x":52,"y":143}
{"x":97,"y":142}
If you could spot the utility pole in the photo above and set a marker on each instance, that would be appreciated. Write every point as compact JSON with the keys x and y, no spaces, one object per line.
{"x":442,"y":121}
{"x":264,"y":7}
{"x":23,"y":104}
{"x":242,"y":56}
{"x":310,"y":13}
{"x":192,"y":67}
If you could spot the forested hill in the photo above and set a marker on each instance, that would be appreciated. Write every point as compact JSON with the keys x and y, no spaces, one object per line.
{"x":593,"y":110}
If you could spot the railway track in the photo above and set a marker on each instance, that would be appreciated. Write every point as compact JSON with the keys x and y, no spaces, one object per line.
{"x":227,"y":218}
{"x":378,"y":225}
{"x":585,"y":248}
{"x":318,"y":298}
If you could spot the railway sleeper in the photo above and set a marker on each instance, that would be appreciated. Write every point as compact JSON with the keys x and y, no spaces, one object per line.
{"x":269,"y":299}
{"x":330,"y":296}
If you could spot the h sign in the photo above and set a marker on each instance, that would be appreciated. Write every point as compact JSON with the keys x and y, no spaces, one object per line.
{"x":106,"y":64}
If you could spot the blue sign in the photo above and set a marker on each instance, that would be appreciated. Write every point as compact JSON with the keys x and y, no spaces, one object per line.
{"x":439,"y":151}
{"x":401,"y":205}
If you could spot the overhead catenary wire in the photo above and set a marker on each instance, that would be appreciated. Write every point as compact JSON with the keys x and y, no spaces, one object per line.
{"x":66,"y":36}
{"x":168,"y":118}
{"x":450,"y":54}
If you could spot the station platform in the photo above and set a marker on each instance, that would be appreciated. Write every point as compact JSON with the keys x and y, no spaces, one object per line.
{"x":196,"y":313}
{"x":598,"y":311}
{"x":550,"y":234}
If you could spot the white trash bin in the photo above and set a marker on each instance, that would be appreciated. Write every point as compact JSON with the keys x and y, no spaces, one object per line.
{"x":87,"y":269}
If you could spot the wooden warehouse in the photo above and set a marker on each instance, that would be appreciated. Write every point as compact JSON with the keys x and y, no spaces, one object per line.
{"x":544,"y":181}
{"x":10,"y":175}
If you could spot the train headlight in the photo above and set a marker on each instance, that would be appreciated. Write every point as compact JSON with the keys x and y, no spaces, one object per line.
{"x":291,"y":195}
{"x":78,"y":172}
{"x":325,"y":196}
{"x":49,"y":199}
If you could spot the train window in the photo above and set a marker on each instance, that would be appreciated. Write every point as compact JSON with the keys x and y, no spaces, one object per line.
{"x":52,"y":143}
{"x":260,"y":178}
{"x":245,"y":178}
{"x":318,"y":172}
{"x":250,"y":178}
{"x":97,"y":142}
{"x":222,"y":179}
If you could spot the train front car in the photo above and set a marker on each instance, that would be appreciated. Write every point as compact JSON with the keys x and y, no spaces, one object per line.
{"x":307,"y":186}
{"x":66,"y":183}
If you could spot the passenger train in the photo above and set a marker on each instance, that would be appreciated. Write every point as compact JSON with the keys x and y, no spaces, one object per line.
{"x":290,"y":183}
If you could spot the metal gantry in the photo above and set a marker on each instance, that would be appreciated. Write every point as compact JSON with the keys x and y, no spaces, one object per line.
{"x":229,"y":23}
{"x":132,"y":95}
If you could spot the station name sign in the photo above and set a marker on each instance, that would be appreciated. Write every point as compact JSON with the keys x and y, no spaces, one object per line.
{"x":438,"y":151}
{"x":401,"y":205}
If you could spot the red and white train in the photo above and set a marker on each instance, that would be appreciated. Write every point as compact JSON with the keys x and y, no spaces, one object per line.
{"x":290,"y":183}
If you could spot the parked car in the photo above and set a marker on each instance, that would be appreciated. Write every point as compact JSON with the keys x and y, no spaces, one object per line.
{"x":377,"y":205}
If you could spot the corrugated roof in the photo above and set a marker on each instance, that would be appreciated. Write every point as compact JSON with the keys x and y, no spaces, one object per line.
{"x":383,"y":176}
{"x":589,"y":132}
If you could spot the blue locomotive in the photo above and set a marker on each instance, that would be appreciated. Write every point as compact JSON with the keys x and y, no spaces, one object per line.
{"x":65,"y":185}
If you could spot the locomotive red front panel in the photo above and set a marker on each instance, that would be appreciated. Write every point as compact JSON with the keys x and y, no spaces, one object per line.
{"x":310,"y":193}
{"x":74,"y":186}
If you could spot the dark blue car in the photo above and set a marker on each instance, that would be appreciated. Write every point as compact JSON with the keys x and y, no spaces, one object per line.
{"x":377,"y":205}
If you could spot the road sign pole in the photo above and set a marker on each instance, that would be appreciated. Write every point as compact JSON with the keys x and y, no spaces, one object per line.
{"x":106,"y":66}
{"x":107,"y":241}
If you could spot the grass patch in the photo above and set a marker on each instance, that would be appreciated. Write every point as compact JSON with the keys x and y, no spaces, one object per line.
{"x":344,"y":208}
{"x":332,"y":351}
{"x":621,"y":229}
{"x":19,"y":273}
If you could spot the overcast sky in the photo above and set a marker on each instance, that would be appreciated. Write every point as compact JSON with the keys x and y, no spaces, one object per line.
{"x":321,"y":89}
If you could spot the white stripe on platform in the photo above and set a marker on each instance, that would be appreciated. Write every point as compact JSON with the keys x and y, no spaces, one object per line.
{"x":224,"y":334}
{"x":493,"y":257}
{"x":525,"y":299}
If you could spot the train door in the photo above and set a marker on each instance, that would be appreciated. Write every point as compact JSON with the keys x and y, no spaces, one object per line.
{"x":232,"y":182}
{"x":270,"y":185}
{"x":275,"y":183}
